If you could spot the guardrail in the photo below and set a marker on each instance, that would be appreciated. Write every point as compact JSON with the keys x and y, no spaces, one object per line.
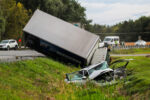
{"x":128,"y":47}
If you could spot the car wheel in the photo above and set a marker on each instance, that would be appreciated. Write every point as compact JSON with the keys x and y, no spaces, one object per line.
{"x":16,"y":47}
{"x":8,"y":48}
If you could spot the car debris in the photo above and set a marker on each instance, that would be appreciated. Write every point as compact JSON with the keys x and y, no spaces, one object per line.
{"x":100,"y":73}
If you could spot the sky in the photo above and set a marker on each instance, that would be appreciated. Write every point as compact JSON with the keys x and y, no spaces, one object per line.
{"x":110,"y":12}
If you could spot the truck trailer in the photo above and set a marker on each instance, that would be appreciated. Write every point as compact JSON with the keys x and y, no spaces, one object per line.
{"x":57,"y":38}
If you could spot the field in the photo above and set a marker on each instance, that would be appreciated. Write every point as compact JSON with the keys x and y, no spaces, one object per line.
{"x":43,"y":79}
{"x":132,"y":51}
{"x":138,"y":87}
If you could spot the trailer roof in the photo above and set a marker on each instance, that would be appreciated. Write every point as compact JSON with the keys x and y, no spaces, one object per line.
{"x":61,"y":33}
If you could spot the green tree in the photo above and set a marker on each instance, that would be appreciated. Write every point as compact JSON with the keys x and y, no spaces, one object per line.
{"x":16,"y":17}
{"x":74,"y":12}
{"x":2,"y":25}
{"x":16,"y":21}
{"x":68,"y":10}
{"x":54,"y":7}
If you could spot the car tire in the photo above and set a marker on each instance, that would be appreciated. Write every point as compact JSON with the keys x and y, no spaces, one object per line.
{"x":8,"y":48}
{"x":16,"y":47}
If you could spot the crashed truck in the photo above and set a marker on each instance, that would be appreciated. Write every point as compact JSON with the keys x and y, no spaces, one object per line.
{"x":57,"y":38}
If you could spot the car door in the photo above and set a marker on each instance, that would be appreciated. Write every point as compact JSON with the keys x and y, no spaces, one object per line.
{"x":112,"y":41}
{"x":119,"y":67}
{"x":12,"y":44}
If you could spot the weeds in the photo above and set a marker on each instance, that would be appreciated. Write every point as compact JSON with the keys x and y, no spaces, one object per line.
{"x":132,"y":51}
{"x":43,"y":79}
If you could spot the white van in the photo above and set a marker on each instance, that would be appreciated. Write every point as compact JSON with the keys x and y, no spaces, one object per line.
{"x":111,"y":40}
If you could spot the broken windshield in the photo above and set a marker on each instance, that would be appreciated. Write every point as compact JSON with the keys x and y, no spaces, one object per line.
{"x":101,"y":66}
{"x":75,"y":76}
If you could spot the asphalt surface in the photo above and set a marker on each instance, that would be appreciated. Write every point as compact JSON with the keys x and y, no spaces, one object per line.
{"x":17,"y":55}
{"x":20,"y":53}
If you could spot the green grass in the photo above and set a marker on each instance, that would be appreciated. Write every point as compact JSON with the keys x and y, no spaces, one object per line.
{"x":132,"y":51}
{"x":43,"y":79}
{"x":138,"y":87}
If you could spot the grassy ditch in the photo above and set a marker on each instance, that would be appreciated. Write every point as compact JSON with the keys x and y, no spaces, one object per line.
{"x":132,"y":51}
{"x":43,"y":79}
{"x":138,"y":86}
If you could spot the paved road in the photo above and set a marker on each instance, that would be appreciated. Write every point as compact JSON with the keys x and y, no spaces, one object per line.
{"x":129,"y":54}
{"x":20,"y":53}
{"x":16,"y":55}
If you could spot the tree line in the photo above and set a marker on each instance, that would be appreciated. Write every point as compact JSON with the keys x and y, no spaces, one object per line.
{"x":141,"y":25}
{"x":128,"y":31}
{"x":14,"y":14}
{"x":13,"y":17}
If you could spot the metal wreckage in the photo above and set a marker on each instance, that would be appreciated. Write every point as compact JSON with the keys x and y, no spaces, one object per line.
{"x":100,"y":73}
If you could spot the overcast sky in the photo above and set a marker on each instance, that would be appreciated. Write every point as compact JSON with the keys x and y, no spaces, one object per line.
{"x":110,"y":12}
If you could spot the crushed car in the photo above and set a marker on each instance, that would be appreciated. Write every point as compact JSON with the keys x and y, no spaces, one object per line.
{"x":99,"y":73}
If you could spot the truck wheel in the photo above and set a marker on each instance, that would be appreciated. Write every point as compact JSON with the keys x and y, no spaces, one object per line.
{"x":8,"y":48}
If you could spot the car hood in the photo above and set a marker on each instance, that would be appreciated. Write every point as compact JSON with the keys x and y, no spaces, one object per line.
{"x":99,"y":72}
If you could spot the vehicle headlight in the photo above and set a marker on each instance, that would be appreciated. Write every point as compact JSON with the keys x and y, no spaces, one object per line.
{"x":4,"y":45}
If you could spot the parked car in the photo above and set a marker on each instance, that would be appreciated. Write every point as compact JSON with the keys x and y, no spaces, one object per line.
{"x":140,"y":43}
{"x":101,"y":72}
{"x":8,"y":44}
